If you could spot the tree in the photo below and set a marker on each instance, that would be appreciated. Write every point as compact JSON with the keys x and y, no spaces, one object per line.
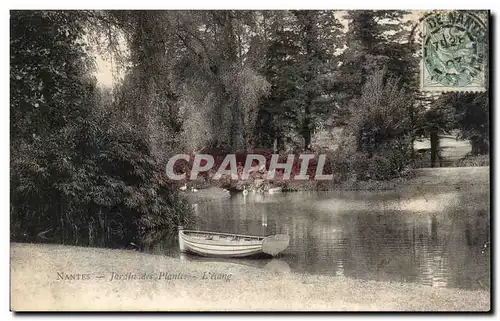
{"x":300,"y":65}
{"x":378,"y":39}
{"x":386,"y":40}
{"x":205,"y":62}
{"x":470,"y":112}
{"x":437,"y":119}
{"x":379,"y":121}
{"x":75,"y":169}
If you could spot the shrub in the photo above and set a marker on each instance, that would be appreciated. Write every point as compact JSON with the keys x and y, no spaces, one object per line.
{"x":476,"y":161}
{"x":379,"y":123}
{"x":97,"y":177}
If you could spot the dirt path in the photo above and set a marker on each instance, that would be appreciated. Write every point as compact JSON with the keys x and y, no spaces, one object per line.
{"x":171,"y":284}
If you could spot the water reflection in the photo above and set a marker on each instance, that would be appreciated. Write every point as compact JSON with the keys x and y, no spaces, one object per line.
{"x":270,"y":264}
{"x":375,"y":236}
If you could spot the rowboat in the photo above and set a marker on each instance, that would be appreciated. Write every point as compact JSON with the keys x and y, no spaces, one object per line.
{"x":230,"y":245}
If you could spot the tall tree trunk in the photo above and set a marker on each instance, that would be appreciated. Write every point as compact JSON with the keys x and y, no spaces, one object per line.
{"x":412,"y":133}
{"x":306,"y":124}
{"x":479,"y":146}
{"x":307,"y":135}
{"x":311,"y":71}
{"x":434,"y":146}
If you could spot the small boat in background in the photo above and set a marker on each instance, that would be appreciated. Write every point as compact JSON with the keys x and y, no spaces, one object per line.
{"x":230,"y":245}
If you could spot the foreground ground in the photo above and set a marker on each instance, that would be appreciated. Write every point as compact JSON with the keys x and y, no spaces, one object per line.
{"x":39,"y":276}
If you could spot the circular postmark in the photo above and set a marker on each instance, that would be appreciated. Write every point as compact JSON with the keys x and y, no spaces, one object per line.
{"x":454,"y":47}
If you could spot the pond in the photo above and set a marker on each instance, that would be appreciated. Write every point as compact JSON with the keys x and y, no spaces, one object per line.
{"x":431,"y":238}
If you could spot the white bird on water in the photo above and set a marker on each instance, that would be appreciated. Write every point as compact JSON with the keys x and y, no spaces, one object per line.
{"x":275,"y":190}
{"x":245,"y":192}
{"x":183,"y":188}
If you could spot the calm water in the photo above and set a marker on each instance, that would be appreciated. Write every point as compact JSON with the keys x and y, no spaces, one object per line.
{"x":434,"y":239}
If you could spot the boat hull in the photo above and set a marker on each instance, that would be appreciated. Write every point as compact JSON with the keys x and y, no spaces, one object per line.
{"x":214,"y":244}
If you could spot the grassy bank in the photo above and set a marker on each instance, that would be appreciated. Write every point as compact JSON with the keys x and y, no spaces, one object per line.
{"x":35,"y":286}
{"x":451,"y":175}
{"x":444,"y":177}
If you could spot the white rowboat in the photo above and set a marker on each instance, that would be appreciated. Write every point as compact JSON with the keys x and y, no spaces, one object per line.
{"x":230,"y":245}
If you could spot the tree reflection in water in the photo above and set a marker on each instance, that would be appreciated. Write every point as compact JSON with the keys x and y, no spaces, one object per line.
{"x":374,"y":241}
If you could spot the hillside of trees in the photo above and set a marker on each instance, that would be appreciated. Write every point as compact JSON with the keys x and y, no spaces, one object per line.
{"x":90,"y":160}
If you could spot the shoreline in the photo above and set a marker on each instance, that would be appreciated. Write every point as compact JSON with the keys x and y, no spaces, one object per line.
{"x":225,"y":287}
{"x":446,"y":178}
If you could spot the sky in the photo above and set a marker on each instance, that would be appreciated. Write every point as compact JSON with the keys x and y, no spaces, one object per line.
{"x":108,"y":75}
{"x":104,"y":72}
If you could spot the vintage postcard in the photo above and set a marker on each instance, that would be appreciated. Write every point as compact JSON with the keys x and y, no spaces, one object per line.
{"x":249,"y":160}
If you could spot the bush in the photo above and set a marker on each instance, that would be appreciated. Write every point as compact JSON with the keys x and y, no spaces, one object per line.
{"x":474,"y":161}
{"x":100,"y":178}
{"x":77,"y":171}
{"x":379,"y":123}
{"x":381,"y":167}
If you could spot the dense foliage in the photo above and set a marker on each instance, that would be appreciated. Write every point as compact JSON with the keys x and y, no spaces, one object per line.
{"x":76,"y":169}
{"x":87,"y":159}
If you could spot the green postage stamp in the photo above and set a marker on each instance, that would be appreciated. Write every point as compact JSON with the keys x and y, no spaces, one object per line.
{"x":455,"y":51}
